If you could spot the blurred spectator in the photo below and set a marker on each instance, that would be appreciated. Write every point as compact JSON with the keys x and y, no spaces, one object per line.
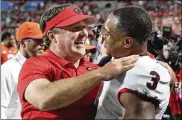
{"x":89,"y":52}
{"x":91,"y":44}
{"x":30,"y":41}
{"x":8,"y":46}
{"x":164,"y":13}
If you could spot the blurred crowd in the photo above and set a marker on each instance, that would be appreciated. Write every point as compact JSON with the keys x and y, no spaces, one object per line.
{"x":164,"y":13}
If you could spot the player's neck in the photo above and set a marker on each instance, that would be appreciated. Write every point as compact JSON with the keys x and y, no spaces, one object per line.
{"x":144,"y":53}
{"x":141,"y":50}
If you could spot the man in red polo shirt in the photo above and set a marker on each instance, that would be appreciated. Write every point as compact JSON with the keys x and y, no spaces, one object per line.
{"x":62,"y":84}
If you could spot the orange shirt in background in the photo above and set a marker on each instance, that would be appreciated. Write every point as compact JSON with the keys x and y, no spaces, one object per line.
{"x":7,"y":53}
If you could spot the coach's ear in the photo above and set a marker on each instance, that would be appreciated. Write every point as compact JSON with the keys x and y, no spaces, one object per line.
{"x":128,"y":42}
{"x":51,"y":36}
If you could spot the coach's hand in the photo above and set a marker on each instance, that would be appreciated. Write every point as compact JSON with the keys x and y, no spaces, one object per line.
{"x":118,"y":66}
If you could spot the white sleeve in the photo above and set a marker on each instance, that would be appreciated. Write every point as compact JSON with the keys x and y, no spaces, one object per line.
{"x":152,"y":83}
{"x":141,"y":84}
{"x":3,"y":115}
{"x":7,"y":88}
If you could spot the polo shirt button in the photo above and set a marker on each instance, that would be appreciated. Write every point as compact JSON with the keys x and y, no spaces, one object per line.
{"x":89,"y":68}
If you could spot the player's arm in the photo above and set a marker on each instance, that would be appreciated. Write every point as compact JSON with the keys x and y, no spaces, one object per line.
{"x":137,"y":106}
{"x":171,"y":72}
{"x":46,"y":95}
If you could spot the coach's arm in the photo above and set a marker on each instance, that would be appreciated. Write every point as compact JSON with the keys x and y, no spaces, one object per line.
{"x":46,"y":95}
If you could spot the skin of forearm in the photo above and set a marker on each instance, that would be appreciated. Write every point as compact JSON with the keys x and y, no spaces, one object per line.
{"x":62,"y":93}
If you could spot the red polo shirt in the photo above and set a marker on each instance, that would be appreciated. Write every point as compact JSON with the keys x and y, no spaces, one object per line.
{"x":53,"y":68}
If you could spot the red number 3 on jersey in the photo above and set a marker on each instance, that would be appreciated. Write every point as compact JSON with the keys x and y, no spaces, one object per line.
{"x":155,"y":79}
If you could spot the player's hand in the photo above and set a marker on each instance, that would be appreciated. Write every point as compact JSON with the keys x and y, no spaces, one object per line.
{"x":171,"y":72}
{"x":118,"y":66}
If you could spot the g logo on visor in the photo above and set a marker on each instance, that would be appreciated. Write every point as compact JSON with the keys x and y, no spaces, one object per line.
{"x":77,"y":10}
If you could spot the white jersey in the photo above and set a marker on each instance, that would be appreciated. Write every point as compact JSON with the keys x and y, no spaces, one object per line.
{"x":10,"y":103}
{"x":147,"y":78}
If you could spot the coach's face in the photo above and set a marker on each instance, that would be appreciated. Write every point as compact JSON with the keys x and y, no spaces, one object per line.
{"x":71,"y":40}
{"x":114,"y":40}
